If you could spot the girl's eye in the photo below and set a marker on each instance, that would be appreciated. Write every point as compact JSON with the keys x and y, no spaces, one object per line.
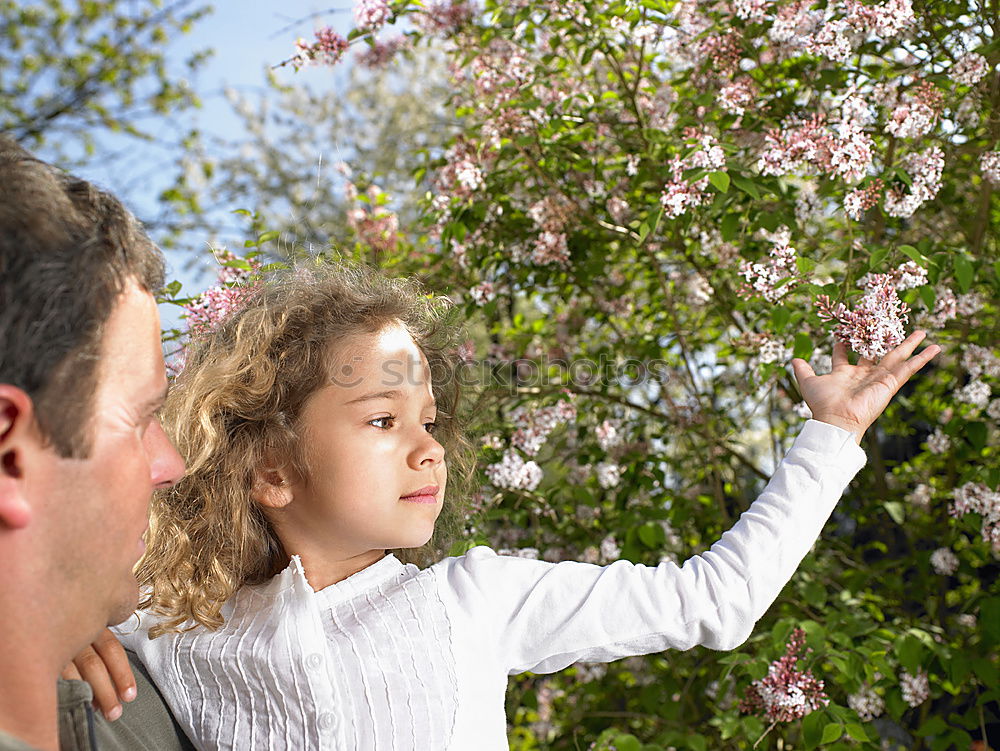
{"x":388,"y":419}
{"x":430,"y":427}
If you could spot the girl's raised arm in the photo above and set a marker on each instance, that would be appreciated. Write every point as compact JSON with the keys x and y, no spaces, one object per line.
{"x":542,"y":616}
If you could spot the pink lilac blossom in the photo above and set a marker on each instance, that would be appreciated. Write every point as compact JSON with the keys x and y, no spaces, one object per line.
{"x":376,"y":226}
{"x":445,"y":18}
{"x":945,"y":307}
{"x":968,"y":304}
{"x":858,"y":201}
{"x":924,"y":169}
{"x":774,"y":278}
{"x":967,"y":620}
{"x":533,"y":426}
{"x":785,"y":693}
{"x":512,"y":472}
{"x":679,"y":195}
{"x":866,"y":703}
{"x":608,"y":436}
{"x":618,"y":208}
{"x":218,"y":301}
{"x":944,"y":561}
{"x":482,"y":293}
{"x":989,"y":164}
{"x":833,"y":41}
{"x":938,"y":442}
{"x":916,"y":688}
{"x":876,"y":325}
{"x":738,"y":95}
{"x":794,"y":23}
{"x":916,"y":116}
{"x":969,"y":69}
{"x":379,"y":54}
{"x":550,"y":247}
{"x":328,"y":48}
{"x":921,"y":496}
{"x":909,"y":275}
{"x":752,"y":10}
{"x":977,"y":498}
{"x":797,"y":145}
{"x":370,"y":15}
{"x":721,"y":51}
{"x":887,"y":20}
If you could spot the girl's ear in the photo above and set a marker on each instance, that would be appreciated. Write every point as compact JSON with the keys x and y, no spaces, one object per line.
{"x":272,"y":488}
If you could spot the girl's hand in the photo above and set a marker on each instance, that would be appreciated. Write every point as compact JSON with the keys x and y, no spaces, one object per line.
{"x":104,"y":665}
{"x":853,"y":396}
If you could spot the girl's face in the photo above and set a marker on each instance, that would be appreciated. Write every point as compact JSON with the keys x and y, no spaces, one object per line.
{"x":375,"y":474}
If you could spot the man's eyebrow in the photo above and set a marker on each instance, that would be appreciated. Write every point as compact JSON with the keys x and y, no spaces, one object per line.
{"x":154,"y":403}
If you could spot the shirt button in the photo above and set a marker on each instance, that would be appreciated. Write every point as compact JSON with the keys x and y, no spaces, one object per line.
{"x":327,"y":721}
{"x":314,"y":661}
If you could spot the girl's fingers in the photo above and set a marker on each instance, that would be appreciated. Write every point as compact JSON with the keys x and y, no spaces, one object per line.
{"x":864,"y":362}
{"x":802,"y":370}
{"x":70,"y":673}
{"x":904,"y":370}
{"x":93,"y":671}
{"x":116,"y":661}
{"x":903,"y":351}
{"x":839,"y":353}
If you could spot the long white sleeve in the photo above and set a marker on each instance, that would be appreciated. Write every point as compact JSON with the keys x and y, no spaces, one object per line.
{"x":543,"y":616}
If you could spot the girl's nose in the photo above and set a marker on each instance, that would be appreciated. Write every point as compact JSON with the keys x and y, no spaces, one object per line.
{"x":427,"y":453}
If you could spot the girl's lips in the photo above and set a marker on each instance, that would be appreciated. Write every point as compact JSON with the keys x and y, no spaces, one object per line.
{"x":426,"y":494}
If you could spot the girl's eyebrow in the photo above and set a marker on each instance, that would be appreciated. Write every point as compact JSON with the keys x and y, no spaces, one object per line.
{"x":375,"y":395}
{"x":393,"y":394}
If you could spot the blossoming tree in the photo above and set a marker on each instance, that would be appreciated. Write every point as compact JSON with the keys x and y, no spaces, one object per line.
{"x":650,"y":207}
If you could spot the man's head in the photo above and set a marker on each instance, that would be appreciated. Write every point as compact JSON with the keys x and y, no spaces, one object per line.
{"x":81,"y":376}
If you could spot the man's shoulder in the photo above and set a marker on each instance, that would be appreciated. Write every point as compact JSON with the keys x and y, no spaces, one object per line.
{"x":145,"y":725}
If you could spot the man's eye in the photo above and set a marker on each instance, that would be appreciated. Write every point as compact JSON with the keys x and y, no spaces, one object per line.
{"x":388,"y":419}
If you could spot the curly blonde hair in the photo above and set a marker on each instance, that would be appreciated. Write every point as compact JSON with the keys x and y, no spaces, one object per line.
{"x":235,"y":408}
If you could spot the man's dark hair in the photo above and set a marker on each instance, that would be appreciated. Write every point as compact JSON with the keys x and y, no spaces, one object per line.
{"x":67,"y":250}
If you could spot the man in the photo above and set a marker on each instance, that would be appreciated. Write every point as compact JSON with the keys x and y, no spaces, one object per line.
{"x":81,"y":448}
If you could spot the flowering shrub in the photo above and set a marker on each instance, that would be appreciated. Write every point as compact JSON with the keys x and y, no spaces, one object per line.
{"x":648,"y":209}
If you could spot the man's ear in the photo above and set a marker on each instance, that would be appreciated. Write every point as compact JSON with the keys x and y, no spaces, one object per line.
{"x":272,"y":488}
{"x":17,"y":434}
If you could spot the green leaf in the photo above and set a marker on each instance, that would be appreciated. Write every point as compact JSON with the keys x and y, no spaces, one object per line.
{"x":832,"y":732}
{"x":977,"y":433}
{"x":876,"y":258}
{"x":989,"y":619}
{"x":928,"y":295}
{"x":964,"y":272}
{"x":803,"y":346}
{"x":627,"y":743}
{"x":731,"y":227}
{"x":915,"y":255}
{"x":895,"y":511}
{"x":933,"y":726}
{"x":747,"y":186}
{"x":812,"y":730}
{"x":268,"y":236}
{"x":720,"y":180}
{"x":856,"y":731}
{"x":779,"y":318}
{"x":909,"y":651}
{"x":652,"y":535}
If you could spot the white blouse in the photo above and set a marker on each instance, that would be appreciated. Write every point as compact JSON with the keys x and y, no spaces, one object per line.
{"x":396,"y":658}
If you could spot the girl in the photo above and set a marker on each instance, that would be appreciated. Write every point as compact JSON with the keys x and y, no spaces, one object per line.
{"x":318,"y":425}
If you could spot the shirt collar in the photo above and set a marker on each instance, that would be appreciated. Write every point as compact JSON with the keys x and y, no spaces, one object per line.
{"x":294,"y":578}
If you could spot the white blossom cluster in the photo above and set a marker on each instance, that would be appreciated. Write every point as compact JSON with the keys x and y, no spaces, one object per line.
{"x":924,"y":169}
{"x":482,"y":293}
{"x":915,"y":688}
{"x":920,"y":496}
{"x":969,"y":69}
{"x":608,"y":435}
{"x":512,"y":472}
{"x":979,"y":361}
{"x":609,"y":475}
{"x":944,"y":561}
{"x":938,"y":442}
{"x":977,"y":498}
{"x":989,"y":163}
{"x":866,"y":703}
{"x":533,"y":426}
{"x":975,"y":392}
{"x":610,"y":549}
